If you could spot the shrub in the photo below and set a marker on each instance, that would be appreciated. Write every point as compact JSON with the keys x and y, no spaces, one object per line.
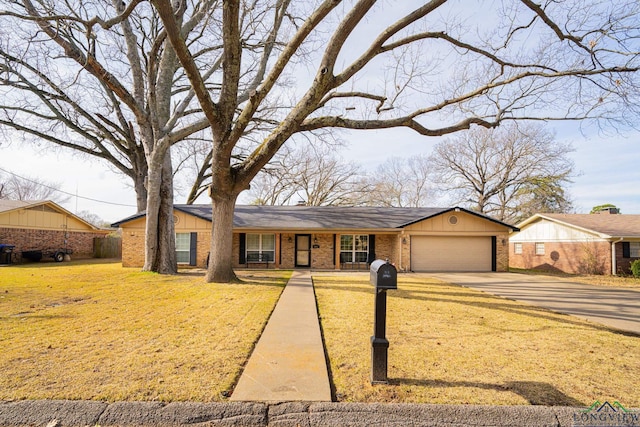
{"x":635,"y":268}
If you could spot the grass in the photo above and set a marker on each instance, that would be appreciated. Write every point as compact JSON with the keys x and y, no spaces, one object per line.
{"x":454,"y":345}
{"x":102,"y":332}
{"x":628,"y":282}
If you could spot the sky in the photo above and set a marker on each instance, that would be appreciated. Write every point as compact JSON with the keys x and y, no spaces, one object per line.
{"x":607,"y":169}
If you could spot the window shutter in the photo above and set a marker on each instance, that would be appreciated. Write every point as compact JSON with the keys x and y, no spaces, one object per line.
{"x":335,"y":243}
{"x":372,"y":248}
{"x":494,"y":253}
{"x":243,"y":248}
{"x":626,"y":250}
{"x":193,"y":249}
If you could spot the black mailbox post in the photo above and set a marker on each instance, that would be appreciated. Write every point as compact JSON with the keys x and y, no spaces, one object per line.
{"x":383,"y":276}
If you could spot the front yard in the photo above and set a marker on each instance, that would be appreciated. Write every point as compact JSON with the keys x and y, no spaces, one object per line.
{"x":454,"y":345}
{"x":99,"y":331}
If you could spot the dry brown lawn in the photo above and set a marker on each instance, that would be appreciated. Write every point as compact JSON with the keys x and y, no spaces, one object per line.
{"x":628,"y":282}
{"x":454,"y":345}
{"x":99,"y":331}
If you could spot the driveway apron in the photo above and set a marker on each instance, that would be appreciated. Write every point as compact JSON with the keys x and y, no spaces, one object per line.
{"x":614,"y":307}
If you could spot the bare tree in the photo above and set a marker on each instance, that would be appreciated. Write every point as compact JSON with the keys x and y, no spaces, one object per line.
{"x":99,"y":78}
{"x":93,"y":219}
{"x":402,"y":182}
{"x":436,"y":69}
{"x":102,"y":78}
{"x":561,"y":60}
{"x":14,"y":187}
{"x":508,"y":172}
{"x":312,"y":175}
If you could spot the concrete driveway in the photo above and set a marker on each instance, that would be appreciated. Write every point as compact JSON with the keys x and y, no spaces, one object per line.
{"x":613,"y":307}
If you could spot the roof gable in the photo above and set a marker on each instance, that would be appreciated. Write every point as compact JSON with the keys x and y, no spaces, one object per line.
{"x":603,"y":225}
{"x":9,"y":206}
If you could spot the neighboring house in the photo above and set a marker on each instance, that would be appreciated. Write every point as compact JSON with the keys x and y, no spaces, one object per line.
{"x":331,"y":237}
{"x":38,"y":225}
{"x":604,"y":243}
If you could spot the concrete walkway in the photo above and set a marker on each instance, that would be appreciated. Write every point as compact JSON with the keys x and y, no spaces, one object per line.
{"x":288,"y":362}
{"x":614,"y":307}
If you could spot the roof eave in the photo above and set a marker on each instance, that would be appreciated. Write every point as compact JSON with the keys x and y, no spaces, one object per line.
{"x":460,"y":209}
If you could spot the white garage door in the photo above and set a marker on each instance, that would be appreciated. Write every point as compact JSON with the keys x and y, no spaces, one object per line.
{"x":431,"y":253}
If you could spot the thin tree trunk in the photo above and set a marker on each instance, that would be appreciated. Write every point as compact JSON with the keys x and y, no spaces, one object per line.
{"x":141,"y":193}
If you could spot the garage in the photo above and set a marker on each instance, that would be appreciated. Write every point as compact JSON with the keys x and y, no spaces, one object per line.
{"x":452,"y":253}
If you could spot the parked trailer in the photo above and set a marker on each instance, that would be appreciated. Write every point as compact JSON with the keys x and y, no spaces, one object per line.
{"x":37,"y":254}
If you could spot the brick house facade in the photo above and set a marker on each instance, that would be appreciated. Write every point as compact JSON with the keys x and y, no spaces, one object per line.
{"x":44,"y":225}
{"x":577,"y":243}
{"x":326,"y":238}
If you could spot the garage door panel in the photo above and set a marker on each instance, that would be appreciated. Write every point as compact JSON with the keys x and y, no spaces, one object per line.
{"x":439,"y":253}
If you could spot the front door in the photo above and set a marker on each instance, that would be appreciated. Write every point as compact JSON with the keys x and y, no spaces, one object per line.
{"x":303,"y":250}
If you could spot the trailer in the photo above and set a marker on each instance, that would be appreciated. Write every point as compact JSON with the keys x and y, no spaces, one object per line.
{"x":6,"y":252}
{"x":37,"y":254}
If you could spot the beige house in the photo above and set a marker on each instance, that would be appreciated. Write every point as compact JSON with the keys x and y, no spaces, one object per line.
{"x":604,"y":243}
{"x":44,"y":225}
{"x":331,"y":237}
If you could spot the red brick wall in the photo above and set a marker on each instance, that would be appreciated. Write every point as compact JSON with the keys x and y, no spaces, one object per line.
{"x":573,"y":258}
{"x":623,"y":265}
{"x":25,"y":239}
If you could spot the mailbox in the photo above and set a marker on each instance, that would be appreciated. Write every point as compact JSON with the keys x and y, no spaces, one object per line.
{"x":383,"y":275}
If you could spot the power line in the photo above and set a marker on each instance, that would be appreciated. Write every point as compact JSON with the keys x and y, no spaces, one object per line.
{"x":67,"y":193}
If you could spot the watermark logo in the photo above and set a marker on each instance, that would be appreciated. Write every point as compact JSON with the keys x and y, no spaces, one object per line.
{"x":606,"y":415}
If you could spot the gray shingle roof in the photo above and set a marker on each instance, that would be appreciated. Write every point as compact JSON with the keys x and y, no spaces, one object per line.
{"x":318,"y":217}
{"x":328,"y":217}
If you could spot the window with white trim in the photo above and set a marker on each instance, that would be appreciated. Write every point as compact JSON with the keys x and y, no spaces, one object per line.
{"x":634,"y":249}
{"x":261,"y":247}
{"x":183,"y":247}
{"x":354,"y":247}
{"x":539,"y":248}
{"x":517,"y":248}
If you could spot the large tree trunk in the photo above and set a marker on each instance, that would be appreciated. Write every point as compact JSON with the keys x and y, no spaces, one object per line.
{"x":221,"y":253}
{"x":166,"y":259}
{"x":160,"y":252}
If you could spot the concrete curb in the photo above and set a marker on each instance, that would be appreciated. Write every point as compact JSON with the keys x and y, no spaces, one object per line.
{"x":63,"y":413}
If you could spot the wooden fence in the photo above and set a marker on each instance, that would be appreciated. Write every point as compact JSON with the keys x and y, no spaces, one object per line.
{"x":107,"y":247}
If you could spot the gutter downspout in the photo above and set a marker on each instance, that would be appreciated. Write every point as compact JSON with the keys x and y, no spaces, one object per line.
{"x":614,"y":267}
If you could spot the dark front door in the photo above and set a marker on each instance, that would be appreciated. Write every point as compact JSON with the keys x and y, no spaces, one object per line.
{"x":303,"y":250}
